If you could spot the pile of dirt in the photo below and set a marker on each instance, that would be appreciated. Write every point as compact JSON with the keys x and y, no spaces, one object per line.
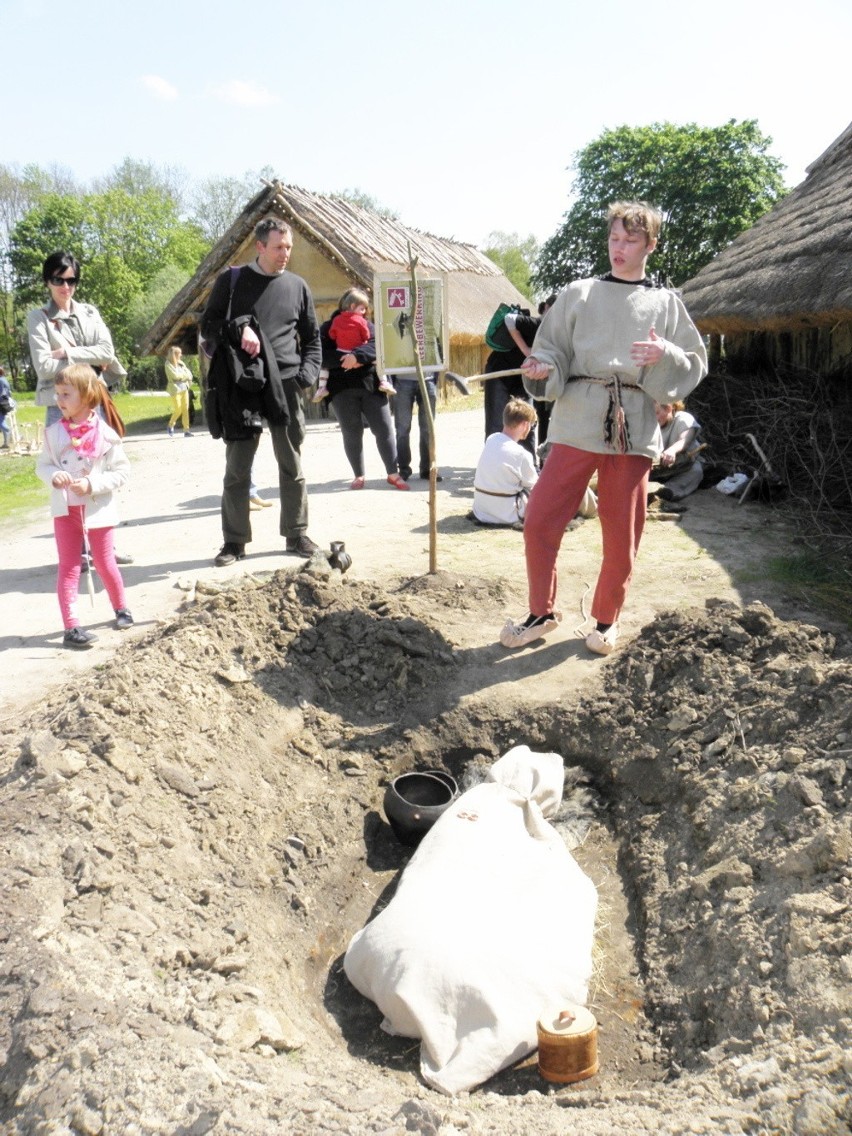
{"x":192,"y":834}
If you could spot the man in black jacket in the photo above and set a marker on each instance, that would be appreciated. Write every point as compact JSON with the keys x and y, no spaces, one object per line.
{"x":261,"y":320}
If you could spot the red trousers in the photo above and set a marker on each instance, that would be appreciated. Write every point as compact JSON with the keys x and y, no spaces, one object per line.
{"x":69,"y":541}
{"x":554,"y":501}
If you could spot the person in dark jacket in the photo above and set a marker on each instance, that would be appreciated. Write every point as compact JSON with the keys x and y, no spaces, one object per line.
{"x":358,"y":396}
{"x":260,"y":320}
{"x":522,"y":328}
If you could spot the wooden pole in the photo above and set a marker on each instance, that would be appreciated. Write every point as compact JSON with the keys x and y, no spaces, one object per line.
{"x":425,"y":408}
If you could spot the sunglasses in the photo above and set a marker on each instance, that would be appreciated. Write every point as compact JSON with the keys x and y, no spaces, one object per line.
{"x":71,"y":281}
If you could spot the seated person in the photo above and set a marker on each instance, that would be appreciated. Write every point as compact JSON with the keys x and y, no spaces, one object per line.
{"x":506,"y":471}
{"x":678,"y":465}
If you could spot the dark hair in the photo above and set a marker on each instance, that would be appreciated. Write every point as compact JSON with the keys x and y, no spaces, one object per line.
{"x":546,"y":304}
{"x":270,"y":225}
{"x":57,"y":262}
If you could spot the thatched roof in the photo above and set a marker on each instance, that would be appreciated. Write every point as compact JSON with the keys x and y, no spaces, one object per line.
{"x":793,"y":268}
{"x":356,"y":241}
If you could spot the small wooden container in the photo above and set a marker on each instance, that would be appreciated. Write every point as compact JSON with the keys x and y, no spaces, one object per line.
{"x":568,"y":1045}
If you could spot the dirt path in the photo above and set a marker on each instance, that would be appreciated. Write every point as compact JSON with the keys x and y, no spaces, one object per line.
{"x":171,"y":527}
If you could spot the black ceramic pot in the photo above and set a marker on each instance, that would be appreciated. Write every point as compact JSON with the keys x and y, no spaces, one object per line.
{"x":339,"y":557}
{"x":414,"y":801}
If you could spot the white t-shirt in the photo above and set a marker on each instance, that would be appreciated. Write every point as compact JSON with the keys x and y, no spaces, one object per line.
{"x":504,"y":475}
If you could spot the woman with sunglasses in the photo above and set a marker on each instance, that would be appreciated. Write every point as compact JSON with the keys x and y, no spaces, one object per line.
{"x":65,"y":331}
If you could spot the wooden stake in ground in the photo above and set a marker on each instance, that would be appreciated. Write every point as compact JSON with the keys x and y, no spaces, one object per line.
{"x":425,"y":408}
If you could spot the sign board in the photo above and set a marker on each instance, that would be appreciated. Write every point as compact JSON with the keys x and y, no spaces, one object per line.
{"x":392,"y":306}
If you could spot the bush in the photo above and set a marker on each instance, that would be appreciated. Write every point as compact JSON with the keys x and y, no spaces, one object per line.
{"x":147,"y":374}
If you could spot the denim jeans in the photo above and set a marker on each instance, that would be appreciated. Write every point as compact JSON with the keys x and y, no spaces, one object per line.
{"x":407,"y":396}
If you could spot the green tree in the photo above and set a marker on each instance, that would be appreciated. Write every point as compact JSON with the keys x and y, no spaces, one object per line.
{"x":710,"y":183}
{"x":145,"y":309}
{"x":122,"y":240}
{"x":20,"y":190}
{"x":516,"y":256}
{"x":136,"y":176}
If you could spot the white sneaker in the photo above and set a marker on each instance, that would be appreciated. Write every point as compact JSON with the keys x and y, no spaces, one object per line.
{"x":517,"y":635}
{"x":602,"y":642}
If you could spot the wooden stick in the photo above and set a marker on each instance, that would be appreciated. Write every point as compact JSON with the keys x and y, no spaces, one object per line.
{"x":496,"y":374}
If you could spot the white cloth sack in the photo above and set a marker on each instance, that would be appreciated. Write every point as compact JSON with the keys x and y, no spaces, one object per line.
{"x":491,"y":927}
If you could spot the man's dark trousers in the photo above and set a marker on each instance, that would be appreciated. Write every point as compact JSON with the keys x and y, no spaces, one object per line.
{"x":286,"y":444}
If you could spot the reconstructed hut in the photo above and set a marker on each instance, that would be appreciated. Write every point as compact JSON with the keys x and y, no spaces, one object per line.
{"x":337,"y":245}
{"x":781,"y":293}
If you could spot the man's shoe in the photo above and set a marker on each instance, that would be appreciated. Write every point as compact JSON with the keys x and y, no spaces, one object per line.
{"x":123,"y":559}
{"x":425,"y":476}
{"x":301,"y":545}
{"x":123,"y":619}
{"x":602,"y":642}
{"x":520,"y":634}
{"x":665,"y":494}
{"x":171,"y":432}
{"x":78,"y":638}
{"x":229,"y":553}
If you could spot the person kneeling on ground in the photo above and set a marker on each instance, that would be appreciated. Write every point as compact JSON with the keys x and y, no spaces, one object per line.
{"x":678,"y":465}
{"x":506,"y":471}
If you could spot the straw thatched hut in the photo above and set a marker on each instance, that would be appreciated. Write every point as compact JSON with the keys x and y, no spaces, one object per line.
{"x":337,"y":245}
{"x":781,"y":293}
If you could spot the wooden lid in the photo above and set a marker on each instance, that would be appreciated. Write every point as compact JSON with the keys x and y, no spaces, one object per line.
{"x":569,"y":1020}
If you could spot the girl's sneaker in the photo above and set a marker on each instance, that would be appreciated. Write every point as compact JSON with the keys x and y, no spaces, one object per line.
{"x":321,"y":393}
{"x":123,"y":619}
{"x":77,"y":637}
{"x":386,"y":387}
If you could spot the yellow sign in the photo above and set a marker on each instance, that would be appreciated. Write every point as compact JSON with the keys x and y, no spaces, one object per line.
{"x":392,"y":304}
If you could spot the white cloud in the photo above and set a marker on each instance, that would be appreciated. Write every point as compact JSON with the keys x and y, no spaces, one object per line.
{"x":160,"y":87}
{"x":239,"y":93}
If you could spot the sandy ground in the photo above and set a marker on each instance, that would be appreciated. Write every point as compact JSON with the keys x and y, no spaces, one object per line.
{"x":171,"y":527}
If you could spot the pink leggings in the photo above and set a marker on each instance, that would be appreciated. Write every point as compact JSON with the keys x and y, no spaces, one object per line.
{"x":69,"y":541}
{"x":554,"y":501}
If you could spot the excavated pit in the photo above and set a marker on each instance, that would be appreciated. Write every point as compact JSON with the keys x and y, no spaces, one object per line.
{"x":192,"y":837}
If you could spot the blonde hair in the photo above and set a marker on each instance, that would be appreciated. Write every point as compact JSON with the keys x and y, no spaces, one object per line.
{"x":353,"y":298}
{"x":85,"y":382}
{"x":516,"y":411}
{"x":636,"y":217}
{"x":173,"y":354}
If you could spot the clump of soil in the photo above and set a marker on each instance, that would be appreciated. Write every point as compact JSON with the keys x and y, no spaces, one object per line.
{"x":192,"y":835}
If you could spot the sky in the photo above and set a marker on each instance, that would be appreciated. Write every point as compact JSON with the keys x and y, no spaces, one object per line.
{"x":463,"y":116}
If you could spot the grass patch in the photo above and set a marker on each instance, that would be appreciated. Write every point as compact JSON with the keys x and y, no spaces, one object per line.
{"x":816,"y":578}
{"x":21,"y":491}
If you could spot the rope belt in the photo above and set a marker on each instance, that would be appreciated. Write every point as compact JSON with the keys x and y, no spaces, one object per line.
{"x":489,"y":493}
{"x":616,"y":430}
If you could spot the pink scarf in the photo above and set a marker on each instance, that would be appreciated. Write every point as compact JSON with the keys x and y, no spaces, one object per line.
{"x":86,"y":437}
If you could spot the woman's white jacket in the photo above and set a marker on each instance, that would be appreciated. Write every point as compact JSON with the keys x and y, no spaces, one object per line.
{"x":47,"y":333}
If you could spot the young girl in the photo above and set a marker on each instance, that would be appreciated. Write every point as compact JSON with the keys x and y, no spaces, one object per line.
{"x":83,"y":461}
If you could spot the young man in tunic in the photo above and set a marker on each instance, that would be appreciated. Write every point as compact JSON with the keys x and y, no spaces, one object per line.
{"x":610,"y":348}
